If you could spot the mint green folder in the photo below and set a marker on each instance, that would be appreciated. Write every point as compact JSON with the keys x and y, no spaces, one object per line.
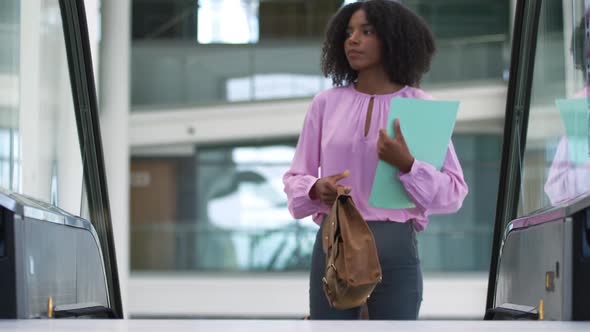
{"x":427,"y":126}
{"x":574,"y":114}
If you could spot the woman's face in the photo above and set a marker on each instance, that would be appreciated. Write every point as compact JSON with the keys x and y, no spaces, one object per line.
{"x":362,"y":47}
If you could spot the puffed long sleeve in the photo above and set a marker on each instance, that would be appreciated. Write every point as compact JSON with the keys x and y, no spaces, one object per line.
{"x":436,"y":191}
{"x":565,"y":179}
{"x":303,"y":173}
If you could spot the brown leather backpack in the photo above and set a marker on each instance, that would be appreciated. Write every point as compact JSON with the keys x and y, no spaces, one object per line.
{"x":352,"y":264}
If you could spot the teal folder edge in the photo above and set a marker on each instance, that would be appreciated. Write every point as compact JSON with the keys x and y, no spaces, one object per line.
{"x":575,"y":118}
{"x":427,"y":126}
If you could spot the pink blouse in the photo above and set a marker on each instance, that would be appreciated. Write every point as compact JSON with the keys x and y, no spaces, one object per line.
{"x":333,"y":140}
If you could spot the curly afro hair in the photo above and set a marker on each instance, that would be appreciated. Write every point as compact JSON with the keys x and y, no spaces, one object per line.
{"x":407,"y":42}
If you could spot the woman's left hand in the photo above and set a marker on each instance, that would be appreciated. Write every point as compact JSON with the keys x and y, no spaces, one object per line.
{"x":395,"y":150}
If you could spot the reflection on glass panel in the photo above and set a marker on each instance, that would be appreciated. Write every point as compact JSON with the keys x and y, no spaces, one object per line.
{"x":228,"y":21}
{"x":9,"y":95}
{"x":9,"y":159}
{"x":93,"y":17}
{"x":4,"y":158}
{"x":39,"y":150}
{"x":223,"y":209}
{"x":556,"y":167}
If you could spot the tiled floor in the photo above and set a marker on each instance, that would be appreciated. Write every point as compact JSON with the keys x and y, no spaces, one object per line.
{"x":284,"y":326}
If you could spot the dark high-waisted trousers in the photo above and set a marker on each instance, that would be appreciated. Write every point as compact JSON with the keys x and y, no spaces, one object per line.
{"x":397,"y":297}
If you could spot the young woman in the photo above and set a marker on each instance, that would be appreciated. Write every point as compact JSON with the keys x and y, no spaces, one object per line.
{"x":374,"y":51}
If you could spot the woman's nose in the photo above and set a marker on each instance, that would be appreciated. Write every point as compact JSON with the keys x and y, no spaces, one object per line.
{"x":353,"y":39}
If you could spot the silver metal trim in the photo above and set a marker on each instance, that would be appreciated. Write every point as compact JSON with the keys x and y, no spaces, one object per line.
{"x":554,"y":213}
{"x":7,"y":202}
{"x":579,"y":204}
{"x":77,"y":222}
{"x":20,"y":271}
{"x":567,"y":270}
{"x":104,"y":272}
{"x":41,"y":215}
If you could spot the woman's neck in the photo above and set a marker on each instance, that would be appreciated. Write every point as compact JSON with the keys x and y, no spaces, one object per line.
{"x":375,"y":82}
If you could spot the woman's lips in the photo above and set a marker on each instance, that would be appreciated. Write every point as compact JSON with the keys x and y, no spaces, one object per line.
{"x":353,"y":54}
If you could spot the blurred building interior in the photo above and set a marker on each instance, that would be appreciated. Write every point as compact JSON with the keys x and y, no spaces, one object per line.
{"x":201,"y":106}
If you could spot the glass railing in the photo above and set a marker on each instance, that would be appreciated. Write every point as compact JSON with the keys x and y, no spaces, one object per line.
{"x":39,"y":148}
{"x":199,"y":246}
{"x":555,"y":166}
{"x":222,"y":208}
{"x":452,"y":248}
{"x":177,"y":73}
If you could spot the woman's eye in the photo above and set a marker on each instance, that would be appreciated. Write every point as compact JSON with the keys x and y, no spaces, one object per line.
{"x":368,"y":32}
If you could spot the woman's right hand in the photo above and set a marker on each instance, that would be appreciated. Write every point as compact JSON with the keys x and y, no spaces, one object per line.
{"x":326,"y":189}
